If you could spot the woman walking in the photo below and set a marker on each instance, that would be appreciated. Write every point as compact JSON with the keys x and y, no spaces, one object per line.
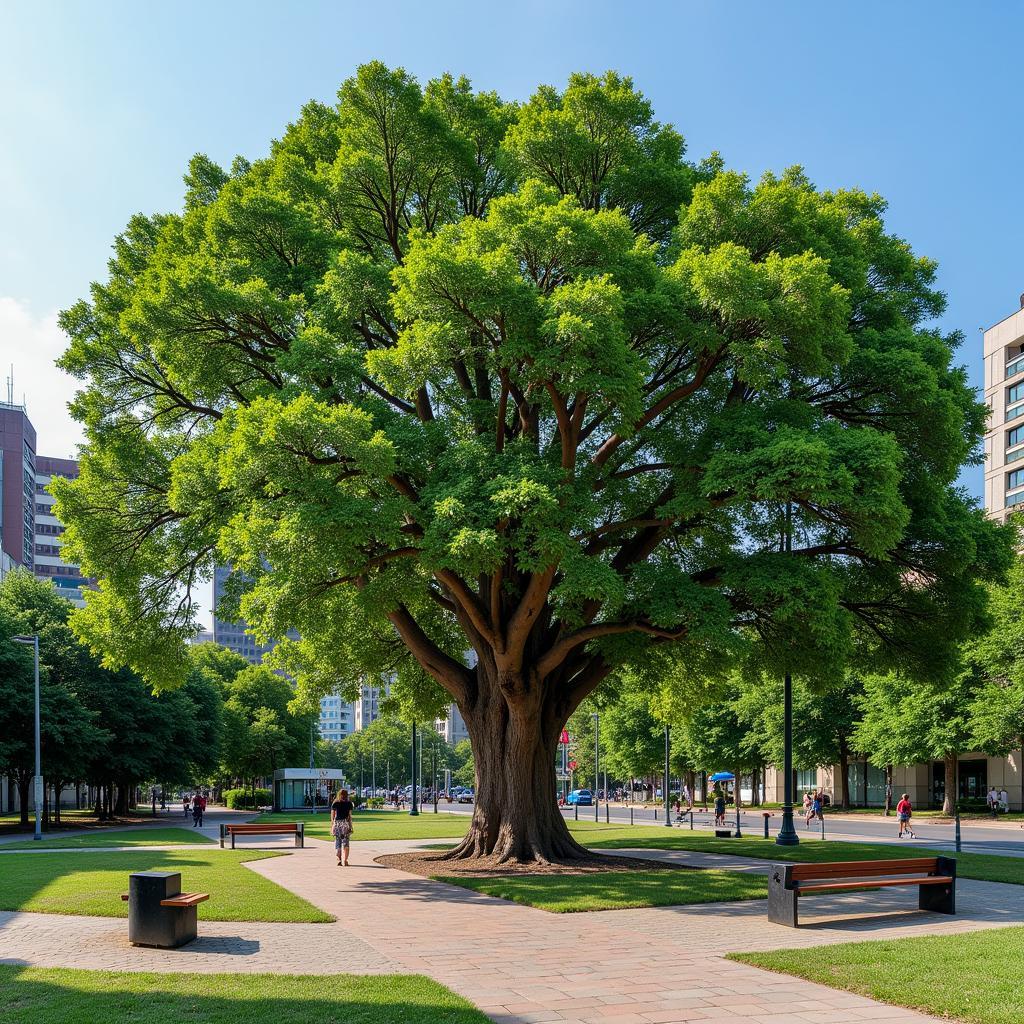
{"x":904,"y":810}
{"x":341,"y":826}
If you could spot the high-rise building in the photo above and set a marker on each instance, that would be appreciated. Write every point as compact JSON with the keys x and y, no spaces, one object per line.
{"x":336,"y":718}
{"x":17,"y":487}
{"x":232,"y":635}
{"x":367,"y":708}
{"x":452,"y":727}
{"x":49,"y":562}
{"x":1004,"y":393}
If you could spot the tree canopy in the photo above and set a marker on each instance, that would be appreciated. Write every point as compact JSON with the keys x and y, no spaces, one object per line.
{"x":445,"y":373}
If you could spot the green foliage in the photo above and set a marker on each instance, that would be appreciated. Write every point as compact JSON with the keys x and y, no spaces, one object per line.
{"x":243,"y":799}
{"x":445,"y":373}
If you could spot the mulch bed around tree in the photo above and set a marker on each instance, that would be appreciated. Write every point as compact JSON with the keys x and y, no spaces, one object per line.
{"x":432,"y":863}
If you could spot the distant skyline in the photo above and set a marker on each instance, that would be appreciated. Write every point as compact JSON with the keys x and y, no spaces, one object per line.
{"x":102,"y":105}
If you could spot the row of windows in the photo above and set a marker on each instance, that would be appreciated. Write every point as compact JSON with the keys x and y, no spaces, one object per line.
{"x":47,"y":549}
{"x":1015,"y":367}
{"x":1015,"y":393}
{"x":1015,"y":480}
{"x":58,"y":570}
{"x":49,"y":529}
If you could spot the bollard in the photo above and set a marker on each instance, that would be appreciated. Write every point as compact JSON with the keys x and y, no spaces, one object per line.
{"x":576,"y":808}
{"x":691,"y":821}
{"x":766,"y":816}
{"x":606,"y":819}
{"x":655,"y":813}
{"x":739,"y":834}
{"x":631,"y":814}
{"x":823,"y":826}
{"x":956,"y":824}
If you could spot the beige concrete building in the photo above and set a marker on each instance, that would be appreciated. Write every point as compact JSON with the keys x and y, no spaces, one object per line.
{"x":1004,"y":393}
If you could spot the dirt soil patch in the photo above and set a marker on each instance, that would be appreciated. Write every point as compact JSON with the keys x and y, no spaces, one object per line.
{"x":432,"y":863}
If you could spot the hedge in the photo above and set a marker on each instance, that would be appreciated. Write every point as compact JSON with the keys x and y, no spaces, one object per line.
{"x":241,"y":799}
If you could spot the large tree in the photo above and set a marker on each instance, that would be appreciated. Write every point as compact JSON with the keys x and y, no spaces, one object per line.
{"x":444,"y":374}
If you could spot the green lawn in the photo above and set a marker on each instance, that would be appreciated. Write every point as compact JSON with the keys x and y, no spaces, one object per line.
{"x":985,"y":867}
{"x":972,"y":977}
{"x":135,"y":837}
{"x":618,"y":890}
{"x":91,"y":884}
{"x":35,"y":995}
{"x":383,"y":825}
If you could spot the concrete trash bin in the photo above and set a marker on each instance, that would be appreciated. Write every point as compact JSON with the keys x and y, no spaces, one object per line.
{"x":149,"y":923}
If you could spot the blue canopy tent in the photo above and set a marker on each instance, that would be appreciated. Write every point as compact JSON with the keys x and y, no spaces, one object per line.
{"x":721,"y":777}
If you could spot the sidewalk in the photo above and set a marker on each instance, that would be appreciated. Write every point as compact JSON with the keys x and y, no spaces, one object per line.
{"x":525,"y":966}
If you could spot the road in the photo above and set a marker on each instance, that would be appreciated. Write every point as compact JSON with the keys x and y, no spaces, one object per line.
{"x":1005,"y":839}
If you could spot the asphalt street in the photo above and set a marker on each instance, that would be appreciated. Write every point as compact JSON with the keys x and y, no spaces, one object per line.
{"x":1005,"y":839}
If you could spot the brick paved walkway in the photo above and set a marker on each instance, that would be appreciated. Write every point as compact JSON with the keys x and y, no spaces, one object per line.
{"x":522,"y":965}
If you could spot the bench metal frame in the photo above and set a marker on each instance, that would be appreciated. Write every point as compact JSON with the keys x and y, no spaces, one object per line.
{"x":935,"y":878}
{"x":284,"y":828}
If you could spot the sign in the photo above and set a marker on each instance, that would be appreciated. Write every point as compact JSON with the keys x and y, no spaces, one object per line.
{"x":565,"y":736}
{"x":573,"y":766}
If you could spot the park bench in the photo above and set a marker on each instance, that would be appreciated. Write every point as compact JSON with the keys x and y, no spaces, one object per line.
{"x":277,"y":828}
{"x":935,"y":878}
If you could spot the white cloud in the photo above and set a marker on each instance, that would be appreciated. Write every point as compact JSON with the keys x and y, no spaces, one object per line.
{"x":32,"y":344}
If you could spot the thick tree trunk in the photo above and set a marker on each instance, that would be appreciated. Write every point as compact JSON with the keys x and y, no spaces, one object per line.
{"x":516,"y":815}
{"x":949,"y":798}
{"x":844,"y":779}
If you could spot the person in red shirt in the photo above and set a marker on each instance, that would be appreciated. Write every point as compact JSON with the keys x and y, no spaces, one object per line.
{"x":904,"y":810}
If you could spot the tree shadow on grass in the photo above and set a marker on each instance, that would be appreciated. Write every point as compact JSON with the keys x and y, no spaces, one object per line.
{"x":58,"y":996}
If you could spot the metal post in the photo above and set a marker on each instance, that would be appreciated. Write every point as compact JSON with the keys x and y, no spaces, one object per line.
{"x":576,"y":809}
{"x":373,"y":766}
{"x":823,"y":826}
{"x":631,"y":814}
{"x":739,"y":834}
{"x":691,"y":819}
{"x":668,"y":809}
{"x":433,"y":767}
{"x":787,"y":834}
{"x":413,"y":810}
{"x":597,"y":755}
{"x":956,"y":824}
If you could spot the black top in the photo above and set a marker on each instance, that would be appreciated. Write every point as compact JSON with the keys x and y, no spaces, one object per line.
{"x":342,"y":809}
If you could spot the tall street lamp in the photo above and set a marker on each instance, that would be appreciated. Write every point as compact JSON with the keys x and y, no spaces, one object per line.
{"x":413,"y":809}
{"x":668,"y":811}
{"x":597,"y":755}
{"x":787,"y":833}
{"x":373,"y":766}
{"x":37,"y":782}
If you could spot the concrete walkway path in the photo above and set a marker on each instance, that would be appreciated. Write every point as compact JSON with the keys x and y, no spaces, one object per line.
{"x":522,"y":965}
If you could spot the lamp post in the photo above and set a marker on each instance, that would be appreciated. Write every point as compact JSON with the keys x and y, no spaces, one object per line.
{"x":37,"y":782}
{"x":668,"y":812}
{"x":597,"y":755}
{"x":787,"y":833}
{"x":373,"y":766}
{"x":412,"y":809}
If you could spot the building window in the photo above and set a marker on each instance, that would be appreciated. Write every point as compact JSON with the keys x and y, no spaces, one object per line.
{"x":1014,"y":437}
{"x":1015,"y":480}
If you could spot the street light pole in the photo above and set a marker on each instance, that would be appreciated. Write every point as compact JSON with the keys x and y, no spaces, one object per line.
{"x":412,"y":809}
{"x":37,"y":782}
{"x":668,"y":812}
{"x":373,"y":766}
{"x":597,"y":755}
{"x":787,"y":833}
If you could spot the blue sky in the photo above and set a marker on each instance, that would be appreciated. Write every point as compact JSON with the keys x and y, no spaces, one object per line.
{"x":102,"y":104}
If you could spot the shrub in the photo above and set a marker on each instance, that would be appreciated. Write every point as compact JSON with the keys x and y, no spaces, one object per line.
{"x":375,"y":803}
{"x":241,"y":799}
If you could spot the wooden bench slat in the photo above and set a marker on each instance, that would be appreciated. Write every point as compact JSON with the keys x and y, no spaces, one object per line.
{"x":185,"y":899}
{"x":875,"y":883}
{"x":862,"y":869}
{"x":261,"y":828}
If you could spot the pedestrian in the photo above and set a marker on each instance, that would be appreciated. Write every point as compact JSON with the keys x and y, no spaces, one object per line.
{"x":719,"y":807}
{"x":904,"y":810}
{"x":197,"y":811}
{"x":1004,"y":801}
{"x":808,"y":803}
{"x":341,"y":826}
{"x":816,"y":805}
{"x":202,"y":809}
{"x":186,"y":802}
{"x":687,"y":797}
{"x":992,"y":799}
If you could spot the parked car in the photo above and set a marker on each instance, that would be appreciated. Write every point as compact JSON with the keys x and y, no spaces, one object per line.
{"x":465,"y":796}
{"x":582,"y":797}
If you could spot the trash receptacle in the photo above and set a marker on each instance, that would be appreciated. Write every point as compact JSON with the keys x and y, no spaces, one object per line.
{"x":149,"y":923}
